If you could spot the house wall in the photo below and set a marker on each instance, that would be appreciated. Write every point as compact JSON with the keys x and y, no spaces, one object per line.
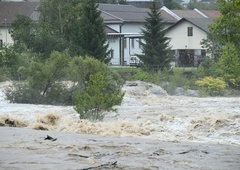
{"x":180,"y":41}
{"x":5,"y":36}
{"x":115,"y":27}
{"x":114,"y":44}
{"x":180,"y":38}
{"x":133,"y":32}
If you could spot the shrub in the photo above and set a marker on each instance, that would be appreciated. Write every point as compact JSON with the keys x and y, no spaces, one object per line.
{"x":143,"y":76}
{"x":215,"y":86}
{"x":43,"y":85}
{"x":101,"y":95}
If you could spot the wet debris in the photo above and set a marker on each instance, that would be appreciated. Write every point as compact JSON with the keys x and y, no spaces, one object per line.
{"x":107,"y":165}
{"x":82,"y":156}
{"x":50,"y":138}
{"x":194,"y":150}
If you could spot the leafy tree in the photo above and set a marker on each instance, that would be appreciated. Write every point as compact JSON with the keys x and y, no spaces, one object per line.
{"x":171,"y":4}
{"x":99,"y":96}
{"x":229,"y":65}
{"x":44,"y":82}
{"x":223,"y":38}
{"x":156,"y":48}
{"x":212,"y":5}
{"x":227,"y":27}
{"x":90,"y":38}
{"x":9,"y":62}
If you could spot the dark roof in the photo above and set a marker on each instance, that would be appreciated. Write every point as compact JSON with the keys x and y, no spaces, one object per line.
{"x":164,"y":15}
{"x":108,"y":18}
{"x":201,"y":23}
{"x":211,"y":14}
{"x":9,"y":11}
{"x":124,"y":13}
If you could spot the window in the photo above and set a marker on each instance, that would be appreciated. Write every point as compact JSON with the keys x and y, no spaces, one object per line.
{"x":1,"y":43}
{"x":132,"y":43}
{"x":125,"y":43}
{"x":190,"y":31}
{"x":112,"y":53}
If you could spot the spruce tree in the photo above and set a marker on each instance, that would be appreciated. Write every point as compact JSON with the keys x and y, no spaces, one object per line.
{"x":155,"y":47}
{"x":90,"y":37}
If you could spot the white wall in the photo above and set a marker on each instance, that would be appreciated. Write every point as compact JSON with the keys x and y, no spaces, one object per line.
{"x":5,"y":36}
{"x":180,"y":39}
{"x":114,"y":45}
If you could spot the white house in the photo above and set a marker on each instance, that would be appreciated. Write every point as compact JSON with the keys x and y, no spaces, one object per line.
{"x":186,"y":36}
{"x":124,"y":23}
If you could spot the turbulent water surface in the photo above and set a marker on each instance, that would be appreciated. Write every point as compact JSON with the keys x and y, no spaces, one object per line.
{"x":150,"y":130}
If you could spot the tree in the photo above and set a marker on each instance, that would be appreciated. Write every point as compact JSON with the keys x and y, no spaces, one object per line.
{"x":43,"y":85}
{"x":223,"y":40}
{"x":227,"y":27}
{"x":156,"y":50}
{"x":22,"y":30}
{"x":90,"y":38}
{"x":170,"y":4}
{"x":212,"y":5}
{"x":99,"y":96}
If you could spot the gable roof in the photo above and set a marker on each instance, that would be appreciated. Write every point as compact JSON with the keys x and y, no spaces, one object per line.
{"x":201,"y":23}
{"x":9,"y":11}
{"x":124,"y":13}
{"x":187,"y":13}
{"x":211,"y":14}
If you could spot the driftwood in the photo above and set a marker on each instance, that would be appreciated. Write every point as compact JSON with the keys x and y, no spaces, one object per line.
{"x":193,"y":150}
{"x":50,"y":138}
{"x":102,"y":166}
{"x":82,"y":156}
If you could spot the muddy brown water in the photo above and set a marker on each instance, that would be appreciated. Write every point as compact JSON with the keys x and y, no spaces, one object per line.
{"x":148,"y":131}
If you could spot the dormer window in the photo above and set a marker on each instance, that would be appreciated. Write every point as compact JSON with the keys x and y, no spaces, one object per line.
{"x":190,"y":31}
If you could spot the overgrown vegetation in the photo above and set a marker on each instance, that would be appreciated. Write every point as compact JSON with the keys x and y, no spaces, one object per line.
{"x":91,"y":87}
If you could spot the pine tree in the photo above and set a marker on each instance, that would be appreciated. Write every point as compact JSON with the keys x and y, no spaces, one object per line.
{"x":156,"y":50}
{"x":90,"y":38}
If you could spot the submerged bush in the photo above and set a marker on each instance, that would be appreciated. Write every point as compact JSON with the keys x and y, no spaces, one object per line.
{"x":101,"y":95}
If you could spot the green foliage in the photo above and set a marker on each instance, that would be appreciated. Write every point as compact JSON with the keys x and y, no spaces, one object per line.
{"x":171,"y":4}
{"x":207,"y":67}
{"x":229,"y":65}
{"x":76,"y":26}
{"x":89,"y":39}
{"x":227,"y":27}
{"x":156,"y":51}
{"x":212,"y":5}
{"x":170,"y":80}
{"x":100,"y":95}
{"x":144,"y":76}
{"x":81,"y":69}
{"x":22,"y":31}
{"x":44,"y":82}
{"x":9,"y":62}
{"x":215,"y":86}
